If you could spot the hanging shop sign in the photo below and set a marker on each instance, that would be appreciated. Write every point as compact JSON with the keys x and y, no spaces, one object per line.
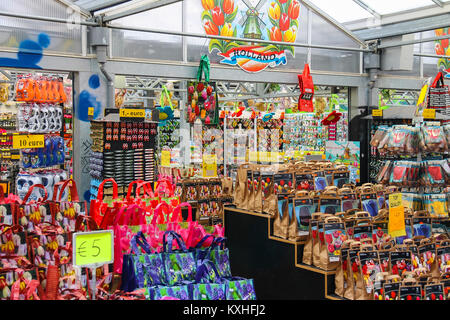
{"x":258,"y":20}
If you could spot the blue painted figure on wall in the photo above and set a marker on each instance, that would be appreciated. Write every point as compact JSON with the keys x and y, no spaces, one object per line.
{"x":29,"y":55}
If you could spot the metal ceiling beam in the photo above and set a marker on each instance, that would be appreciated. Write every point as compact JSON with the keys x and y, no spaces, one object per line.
{"x":139,"y":9}
{"x":366,"y":7}
{"x":207,"y":36}
{"x":439,"y":3}
{"x":406,"y":43}
{"x":334,"y":22}
{"x":76,"y":8}
{"x":411,"y":21}
{"x":431,"y":55}
{"x":48,"y":19}
{"x":95,"y":5}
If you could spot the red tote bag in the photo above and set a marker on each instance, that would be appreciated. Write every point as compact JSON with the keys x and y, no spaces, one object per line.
{"x":306,"y":85}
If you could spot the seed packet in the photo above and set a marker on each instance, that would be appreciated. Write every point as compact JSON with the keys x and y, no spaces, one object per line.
{"x":410,"y":290}
{"x":362,"y":231}
{"x":216,"y":188}
{"x":369,"y":268}
{"x":334,"y":236}
{"x":329,"y":205}
{"x":400,"y":262}
{"x":283,"y":183}
{"x":369,"y":203}
{"x":380,"y":280}
{"x":421,"y":224}
{"x":427,"y":255}
{"x":391,"y":287}
{"x":434,"y":291}
{"x":320,"y":182}
{"x":436,"y":205}
{"x":340,"y":178}
{"x":328,"y":173}
{"x":385,"y":172}
{"x":433,"y":173}
{"x":190,"y":191}
{"x":408,"y":229}
{"x":445,"y":280}
{"x":379,"y":231}
{"x":379,"y":135}
{"x":432,"y":139}
{"x":304,"y":208}
{"x":443,"y":257}
{"x":349,"y":201}
{"x":304,"y":181}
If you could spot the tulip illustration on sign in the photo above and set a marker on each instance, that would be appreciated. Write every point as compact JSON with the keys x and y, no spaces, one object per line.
{"x":275,"y":20}
{"x":442,"y":48}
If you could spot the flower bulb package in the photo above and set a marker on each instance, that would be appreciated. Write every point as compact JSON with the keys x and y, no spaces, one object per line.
{"x":335,"y":236}
{"x":304,"y":181}
{"x":330,"y":205}
{"x":340,"y":178}
{"x":400,"y":261}
{"x":369,"y":203}
{"x":320,"y":181}
{"x":283,"y":183}
{"x":421,"y":222}
{"x":369,"y":268}
{"x":349,"y":201}
{"x":304,"y":208}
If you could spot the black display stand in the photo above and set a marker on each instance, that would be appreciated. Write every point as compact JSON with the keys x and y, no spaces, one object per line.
{"x":273,"y":263}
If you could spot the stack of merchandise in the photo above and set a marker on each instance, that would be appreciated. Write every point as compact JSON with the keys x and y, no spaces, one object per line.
{"x":369,"y":263}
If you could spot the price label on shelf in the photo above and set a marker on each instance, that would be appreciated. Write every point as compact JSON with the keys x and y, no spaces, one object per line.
{"x":93,"y":248}
{"x":396,"y":224}
{"x":90,"y":111}
{"x":377,"y":113}
{"x":24,"y":141}
{"x":132,"y":113}
{"x":165,"y":158}
{"x":209,"y":165}
{"x":429,"y":114}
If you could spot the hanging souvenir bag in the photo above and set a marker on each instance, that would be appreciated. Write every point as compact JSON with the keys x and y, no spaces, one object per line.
{"x":103,"y":211}
{"x":32,"y":213}
{"x":306,"y":85}
{"x":202,"y":99}
{"x":165,"y":109}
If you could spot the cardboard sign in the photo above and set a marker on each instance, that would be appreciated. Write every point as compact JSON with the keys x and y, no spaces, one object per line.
{"x":396,"y":225}
{"x":25,"y":141}
{"x":429,"y":114}
{"x":165,"y":158}
{"x":209,"y":166}
{"x":93,"y":248}
{"x":422,"y":95}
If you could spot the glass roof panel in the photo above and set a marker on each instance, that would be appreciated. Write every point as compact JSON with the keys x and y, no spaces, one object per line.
{"x":389,"y":6}
{"x":342,"y":10}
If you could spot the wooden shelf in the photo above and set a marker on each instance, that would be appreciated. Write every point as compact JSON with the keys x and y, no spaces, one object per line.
{"x":253,"y":213}
{"x":314,"y":269}
{"x":334,"y":297}
{"x":286,"y":241}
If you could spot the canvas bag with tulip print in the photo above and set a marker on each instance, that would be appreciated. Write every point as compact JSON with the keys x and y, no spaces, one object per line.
{"x":202,"y":97}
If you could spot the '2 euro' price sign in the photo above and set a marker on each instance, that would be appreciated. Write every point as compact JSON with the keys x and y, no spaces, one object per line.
{"x":93,"y":248}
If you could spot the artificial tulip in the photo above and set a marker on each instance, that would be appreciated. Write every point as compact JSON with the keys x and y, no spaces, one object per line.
{"x":274,"y":11}
{"x":284,"y":22}
{"x":283,"y":1}
{"x":208,"y":4}
{"x":211,"y":28}
{"x":290,"y":34}
{"x":439,"y":50}
{"x":294,"y":10}
{"x":275,"y":34}
{"x":227,"y":30}
{"x":217,"y":16}
{"x":228,"y":6}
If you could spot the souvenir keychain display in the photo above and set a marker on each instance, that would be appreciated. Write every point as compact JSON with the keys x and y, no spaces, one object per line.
{"x":124,"y":151}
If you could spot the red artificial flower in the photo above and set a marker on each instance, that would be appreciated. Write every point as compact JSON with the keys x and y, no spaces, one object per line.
{"x":332,"y":118}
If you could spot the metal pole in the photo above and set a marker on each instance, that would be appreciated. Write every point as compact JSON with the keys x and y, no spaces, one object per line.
{"x":48,"y":19}
{"x":207,"y":36}
{"x":139,"y":9}
{"x":431,"y":55}
{"x":406,"y":43}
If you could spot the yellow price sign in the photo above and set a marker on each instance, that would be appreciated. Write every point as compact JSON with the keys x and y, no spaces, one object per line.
{"x":209,"y":165}
{"x":429,"y":114}
{"x":132,"y":113}
{"x":25,"y":141}
{"x":165,"y":158}
{"x":15,"y":156}
{"x":93,"y":248}
{"x":377,"y":113}
{"x":90,"y":111}
{"x":396,"y":224}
